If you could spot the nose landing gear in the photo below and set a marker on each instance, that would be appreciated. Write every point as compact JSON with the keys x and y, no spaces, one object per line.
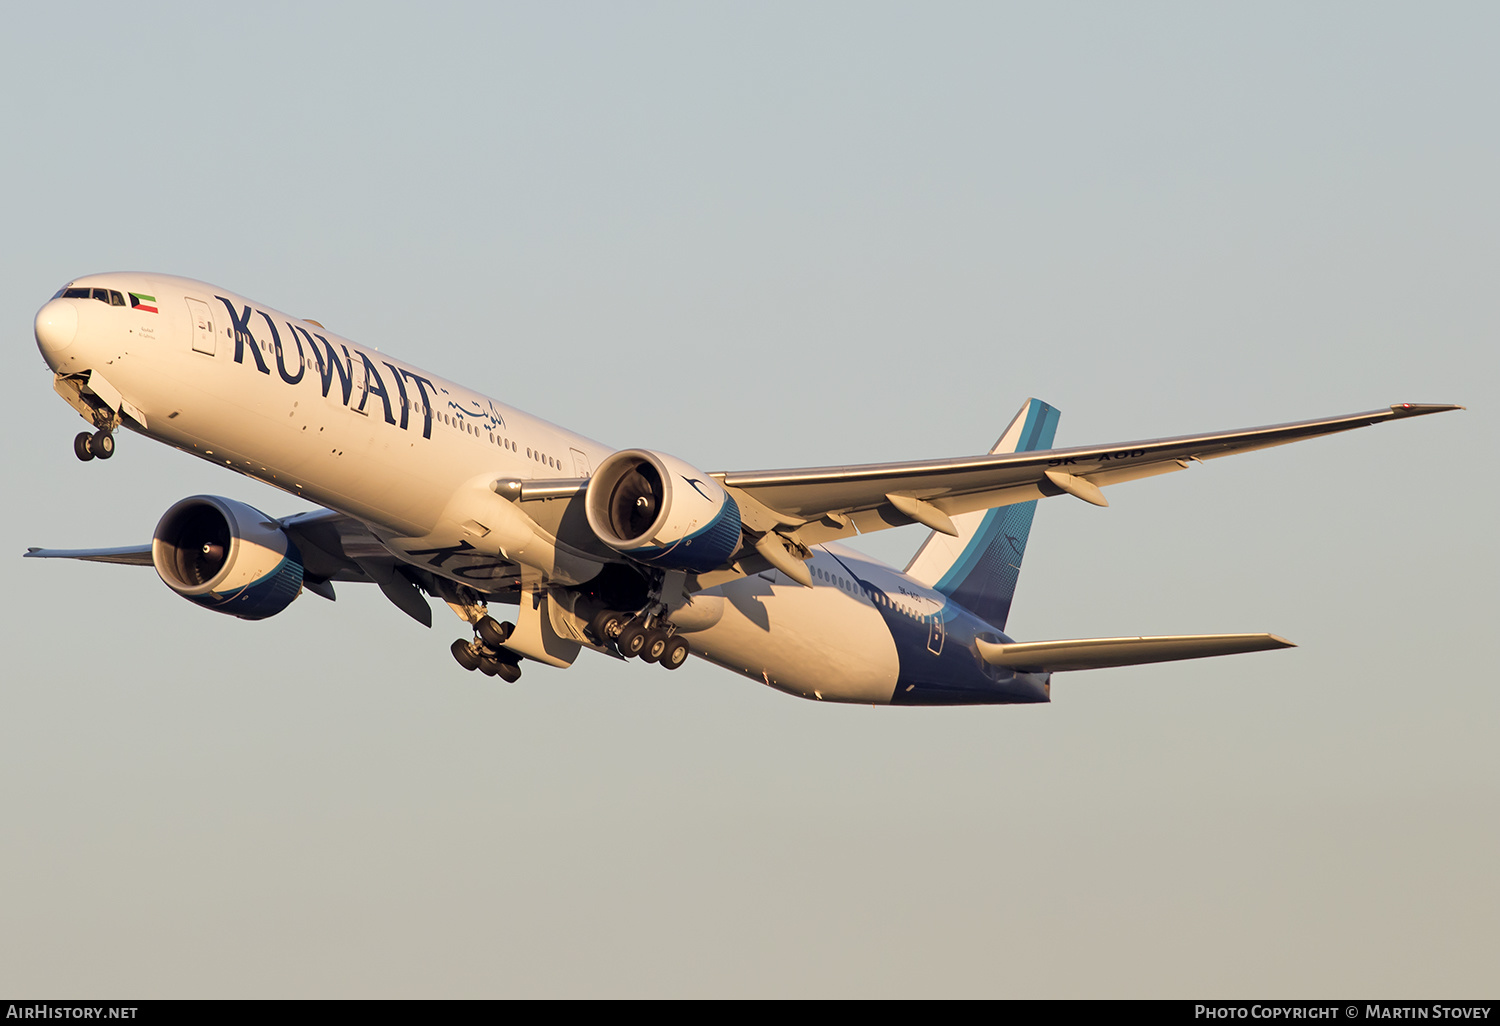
{"x":100,"y":444}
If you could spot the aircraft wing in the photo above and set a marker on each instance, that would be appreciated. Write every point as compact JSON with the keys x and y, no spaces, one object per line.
{"x":823,"y":503}
{"x":334,"y":547}
{"x":784,"y":511}
{"x":127,"y":555}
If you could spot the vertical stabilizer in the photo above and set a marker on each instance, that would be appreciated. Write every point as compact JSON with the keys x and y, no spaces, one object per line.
{"x":980,"y":567}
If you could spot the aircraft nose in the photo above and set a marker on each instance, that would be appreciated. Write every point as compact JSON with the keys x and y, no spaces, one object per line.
{"x":56,"y":326}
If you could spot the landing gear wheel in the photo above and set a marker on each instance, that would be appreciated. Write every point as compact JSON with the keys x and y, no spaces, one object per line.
{"x":81,"y":447}
{"x":676,"y":653}
{"x":606,"y":626}
{"x":463,"y":651}
{"x":492,"y":632}
{"x":656,"y":644}
{"x":631,"y":640}
{"x":492,"y":667}
{"x":102,"y":444}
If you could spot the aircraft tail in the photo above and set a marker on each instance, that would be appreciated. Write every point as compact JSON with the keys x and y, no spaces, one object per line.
{"x":980,"y":567}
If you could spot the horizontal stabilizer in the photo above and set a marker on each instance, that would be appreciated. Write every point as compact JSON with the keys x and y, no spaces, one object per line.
{"x":131,"y":555}
{"x":1096,"y":653}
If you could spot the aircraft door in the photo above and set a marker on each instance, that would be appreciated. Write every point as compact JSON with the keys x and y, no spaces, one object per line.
{"x":360,"y":393}
{"x":935,"y":635}
{"x":203,"y":326}
{"x":580,"y":464}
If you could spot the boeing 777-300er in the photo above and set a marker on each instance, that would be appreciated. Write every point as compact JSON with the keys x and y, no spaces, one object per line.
{"x":429,"y":488}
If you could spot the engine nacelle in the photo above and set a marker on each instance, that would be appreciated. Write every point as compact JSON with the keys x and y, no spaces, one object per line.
{"x":227,"y":556}
{"x":661,"y":511}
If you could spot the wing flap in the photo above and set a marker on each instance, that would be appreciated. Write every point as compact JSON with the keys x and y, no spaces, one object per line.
{"x":1098,"y":653}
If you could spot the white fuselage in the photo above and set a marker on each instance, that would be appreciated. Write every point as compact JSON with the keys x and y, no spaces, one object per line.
{"x":287,"y":402}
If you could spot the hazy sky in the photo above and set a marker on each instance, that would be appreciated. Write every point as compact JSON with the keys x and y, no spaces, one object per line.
{"x":764,"y":235}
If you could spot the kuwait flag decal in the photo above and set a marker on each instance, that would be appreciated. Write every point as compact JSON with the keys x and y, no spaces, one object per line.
{"x":145,"y":304}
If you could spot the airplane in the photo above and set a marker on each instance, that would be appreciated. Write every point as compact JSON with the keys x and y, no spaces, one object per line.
{"x":428,"y":488}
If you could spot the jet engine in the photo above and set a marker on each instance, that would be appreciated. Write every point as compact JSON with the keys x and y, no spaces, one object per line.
{"x":660,"y":511}
{"x":227,"y":556}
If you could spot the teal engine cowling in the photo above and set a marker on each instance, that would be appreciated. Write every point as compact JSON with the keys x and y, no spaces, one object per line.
{"x":227,"y":556}
{"x":661,"y":511}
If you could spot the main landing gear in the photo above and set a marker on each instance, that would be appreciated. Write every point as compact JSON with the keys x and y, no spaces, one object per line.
{"x":100,"y":444}
{"x":487,"y":652}
{"x":649,"y":639}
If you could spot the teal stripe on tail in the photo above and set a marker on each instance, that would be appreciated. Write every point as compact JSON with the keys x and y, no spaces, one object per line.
{"x":979,"y":569}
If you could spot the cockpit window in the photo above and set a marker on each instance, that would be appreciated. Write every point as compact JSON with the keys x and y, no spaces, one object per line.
{"x":107,"y":296}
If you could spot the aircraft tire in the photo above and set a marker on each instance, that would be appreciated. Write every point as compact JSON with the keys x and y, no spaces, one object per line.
{"x":508,"y":672}
{"x":606,"y":626}
{"x":631,"y":640}
{"x":492,"y":632}
{"x":81,"y":447}
{"x":464,"y":653}
{"x":102,"y":444}
{"x":655,"y":647}
{"x":676,"y":653}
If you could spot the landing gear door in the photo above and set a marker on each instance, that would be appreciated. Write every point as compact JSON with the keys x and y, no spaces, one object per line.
{"x":535,"y":636}
{"x":203,"y":326}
